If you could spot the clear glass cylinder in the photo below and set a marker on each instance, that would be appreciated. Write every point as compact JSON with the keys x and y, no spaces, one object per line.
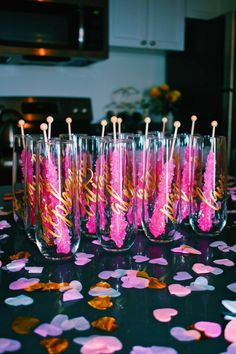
{"x":208,"y":215}
{"x":57,"y":229}
{"x":88,"y":149}
{"x":18,"y":175}
{"x":30,"y":184}
{"x":116,"y":197}
{"x":161,"y":189}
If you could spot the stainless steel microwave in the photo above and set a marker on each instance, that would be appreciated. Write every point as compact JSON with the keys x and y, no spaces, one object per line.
{"x":53,"y":32}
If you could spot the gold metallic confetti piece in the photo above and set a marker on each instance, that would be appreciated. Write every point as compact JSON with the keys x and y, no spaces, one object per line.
{"x":143,"y":274}
{"x":46,"y":286}
{"x":23,"y":325}
{"x":101,"y":284}
{"x":19,"y":255}
{"x":154,"y":283}
{"x":101,"y":302}
{"x":55,"y":345}
{"x":107,"y":324}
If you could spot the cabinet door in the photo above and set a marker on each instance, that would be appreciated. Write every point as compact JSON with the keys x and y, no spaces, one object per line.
{"x":203,"y":9}
{"x":128,"y":23}
{"x":166,"y":24}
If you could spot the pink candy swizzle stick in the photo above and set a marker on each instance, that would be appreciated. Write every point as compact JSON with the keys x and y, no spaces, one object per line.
{"x":157,"y":223}
{"x":91,"y":223}
{"x":69,"y":121}
{"x":118,"y":222}
{"x":53,"y":214}
{"x":186,"y":174}
{"x":206,"y":207}
{"x":49,"y":120}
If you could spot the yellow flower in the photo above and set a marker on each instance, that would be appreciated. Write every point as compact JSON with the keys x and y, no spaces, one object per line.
{"x":173,"y":96}
{"x":164,"y":87}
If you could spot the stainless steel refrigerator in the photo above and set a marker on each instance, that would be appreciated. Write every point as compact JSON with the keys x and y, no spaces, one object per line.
{"x":205,"y":73}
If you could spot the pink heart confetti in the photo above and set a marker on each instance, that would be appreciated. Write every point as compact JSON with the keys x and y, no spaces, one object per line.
{"x":34,"y":270}
{"x":201,"y":284}
{"x":200,"y":268}
{"x":23,"y":283}
{"x":20,"y":300}
{"x":47,"y":329}
{"x":9,"y":345}
{"x":230,"y":331}
{"x":96,"y":242}
{"x":230,"y":305}
{"x":140,"y":259}
{"x":82,"y":261}
{"x":232,"y":287}
{"x":78,"y":323}
{"x":100,"y":291}
{"x":210,"y":329}
{"x":84,"y":254}
{"x":99,"y":344}
{"x":179,"y":290}
{"x":225,"y":261}
{"x":134,"y":282}
{"x":4,"y":225}
{"x":182,"y":276}
{"x":71,"y":295}
{"x":164,"y":314}
{"x":137,"y":349}
{"x":160,"y":261}
{"x":184,"y":335}
{"x":185,"y":249}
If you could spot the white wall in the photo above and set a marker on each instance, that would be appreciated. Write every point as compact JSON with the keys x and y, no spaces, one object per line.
{"x":97,"y":81}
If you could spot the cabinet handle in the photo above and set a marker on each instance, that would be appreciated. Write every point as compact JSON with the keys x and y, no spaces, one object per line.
{"x":143,"y":42}
{"x":152,"y":43}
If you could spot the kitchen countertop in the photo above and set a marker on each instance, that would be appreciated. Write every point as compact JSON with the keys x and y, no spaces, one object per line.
{"x":133,"y":308}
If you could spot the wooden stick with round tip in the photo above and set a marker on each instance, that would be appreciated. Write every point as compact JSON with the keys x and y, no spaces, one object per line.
{"x":176,"y":124}
{"x":21,"y":124}
{"x":193,"y":119}
{"x":69,"y":121}
{"x":147,"y":121}
{"x":44,"y":127}
{"x":164,"y":121}
{"x":49,"y":119}
{"x":119,"y":121}
{"x":103,"y":124}
{"x":114,"y":121}
{"x":214,"y":124}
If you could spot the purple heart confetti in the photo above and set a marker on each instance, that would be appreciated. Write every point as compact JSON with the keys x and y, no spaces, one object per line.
{"x":225,"y":261}
{"x":232,"y":287}
{"x":160,"y":261}
{"x":9,"y":345}
{"x":231,"y":349}
{"x":47,"y":329}
{"x":138,"y":349}
{"x":4,"y":225}
{"x":71,"y":295}
{"x":58,"y":320}
{"x":100,"y":291}
{"x":34,"y":270}
{"x":140,"y":259}
{"x":182,"y":276}
{"x":184,"y":335}
{"x":230,"y":305}
{"x":23,"y":283}
{"x":74,"y":284}
{"x":78,"y":323}
{"x":16,"y":265}
{"x":130,"y":281}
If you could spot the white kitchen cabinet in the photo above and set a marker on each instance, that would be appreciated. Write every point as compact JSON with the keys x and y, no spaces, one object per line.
{"x":202,"y":9}
{"x":151,"y":24}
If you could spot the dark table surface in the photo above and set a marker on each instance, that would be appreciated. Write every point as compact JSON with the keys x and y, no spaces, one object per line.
{"x":133,"y":309}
